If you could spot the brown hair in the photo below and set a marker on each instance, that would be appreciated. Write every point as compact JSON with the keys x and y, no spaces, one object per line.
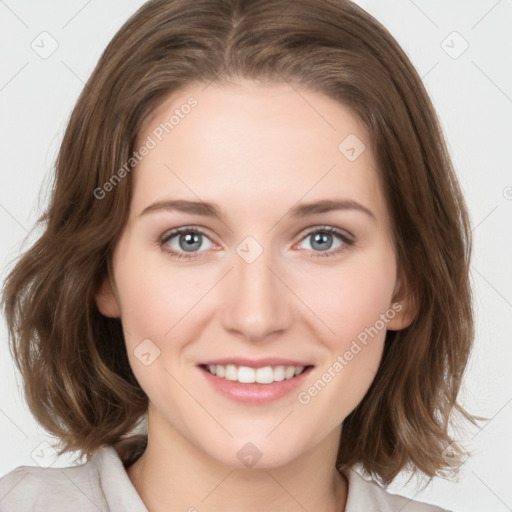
{"x":77,"y":378}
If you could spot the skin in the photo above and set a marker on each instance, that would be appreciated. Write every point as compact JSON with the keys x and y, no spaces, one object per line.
{"x":256,"y":150}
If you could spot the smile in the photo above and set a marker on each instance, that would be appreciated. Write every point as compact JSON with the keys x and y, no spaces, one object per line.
{"x":248,"y":375}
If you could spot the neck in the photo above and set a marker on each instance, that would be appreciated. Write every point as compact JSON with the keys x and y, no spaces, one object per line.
{"x":172,"y":474}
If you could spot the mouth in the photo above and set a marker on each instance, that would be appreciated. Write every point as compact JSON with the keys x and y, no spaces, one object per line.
{"x":255,"y":382}
{"x":255,"y":375}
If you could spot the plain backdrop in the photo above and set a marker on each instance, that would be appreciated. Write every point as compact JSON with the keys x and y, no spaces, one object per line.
{"x":462,"y":50}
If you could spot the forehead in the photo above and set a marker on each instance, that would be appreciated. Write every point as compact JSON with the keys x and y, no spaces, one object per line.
{"x":246,"y":144}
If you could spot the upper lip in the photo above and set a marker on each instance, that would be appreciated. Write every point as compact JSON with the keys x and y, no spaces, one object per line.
{"x":255,"y":363}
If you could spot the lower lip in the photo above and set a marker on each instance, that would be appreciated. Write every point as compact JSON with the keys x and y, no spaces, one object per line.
{"x":255,"y":393}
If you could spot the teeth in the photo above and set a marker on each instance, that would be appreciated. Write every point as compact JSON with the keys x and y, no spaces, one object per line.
{"x":247,"y":375}
{"x":289,"y":372}
{"x":231,"y":372}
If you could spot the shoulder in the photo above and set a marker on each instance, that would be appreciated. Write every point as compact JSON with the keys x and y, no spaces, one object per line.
{"x":368,"y":495}
{"x":34,"y":488}
{"x":95,"y":485}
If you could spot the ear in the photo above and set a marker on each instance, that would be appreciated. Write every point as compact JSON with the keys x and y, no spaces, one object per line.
{"x":405,"y":303}
{"x":106,"y":300}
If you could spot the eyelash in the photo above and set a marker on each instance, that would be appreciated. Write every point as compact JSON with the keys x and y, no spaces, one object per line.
{"x":347,"y":241}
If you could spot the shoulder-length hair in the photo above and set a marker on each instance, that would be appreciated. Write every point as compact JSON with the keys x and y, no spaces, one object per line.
{"x":77,"y":379}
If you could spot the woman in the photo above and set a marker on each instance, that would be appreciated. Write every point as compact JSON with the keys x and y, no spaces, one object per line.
{"x":256,"y":238}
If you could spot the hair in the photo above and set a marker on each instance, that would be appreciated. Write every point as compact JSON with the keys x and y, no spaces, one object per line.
{"x":76,"y":374}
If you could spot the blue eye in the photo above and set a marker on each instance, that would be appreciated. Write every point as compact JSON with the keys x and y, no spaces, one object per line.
{"x":322,"y":241}
{"x":189,"y":240}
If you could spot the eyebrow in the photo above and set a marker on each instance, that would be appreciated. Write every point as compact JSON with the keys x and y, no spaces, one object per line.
{"x":213,"y":210}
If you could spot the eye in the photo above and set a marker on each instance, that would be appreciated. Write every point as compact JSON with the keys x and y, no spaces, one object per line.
{"x":322,"y":241}
{"x":184,"y":242}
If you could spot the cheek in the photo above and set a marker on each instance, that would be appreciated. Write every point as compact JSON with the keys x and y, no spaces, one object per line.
{"x":353,"y":299}
{"x":153,"y":299}
{"x":157,"y":308}
{"x":356,"y":306}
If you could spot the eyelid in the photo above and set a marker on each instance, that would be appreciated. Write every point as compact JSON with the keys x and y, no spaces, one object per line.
{"x":329,"y":229}
{"x":187,"y":229}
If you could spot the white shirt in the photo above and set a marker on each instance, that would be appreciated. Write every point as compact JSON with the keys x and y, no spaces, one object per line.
{"x":102,"y":485}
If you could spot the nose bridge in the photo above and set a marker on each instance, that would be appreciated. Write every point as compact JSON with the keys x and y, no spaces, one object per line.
{"x":258,"y":303}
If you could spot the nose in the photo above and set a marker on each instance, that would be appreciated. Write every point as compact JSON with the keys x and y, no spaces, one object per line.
{"x":258,"y":304}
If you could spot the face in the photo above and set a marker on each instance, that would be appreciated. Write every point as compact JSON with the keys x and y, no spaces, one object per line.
{"x":259,"y":280}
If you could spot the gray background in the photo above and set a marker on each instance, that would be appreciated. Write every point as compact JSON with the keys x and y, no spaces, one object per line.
{"x":472,"y":91}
